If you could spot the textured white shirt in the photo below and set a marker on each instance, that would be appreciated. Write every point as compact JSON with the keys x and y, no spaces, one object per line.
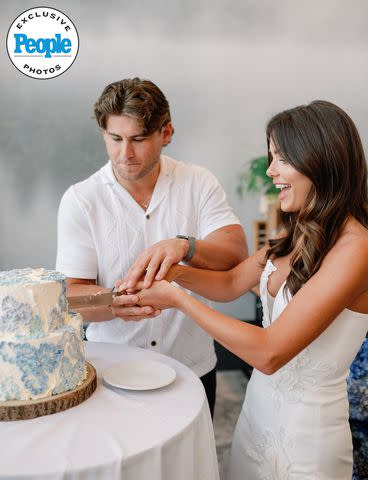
{"x":102,"y":230}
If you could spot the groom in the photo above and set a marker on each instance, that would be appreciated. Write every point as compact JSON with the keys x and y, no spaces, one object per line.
{"x":139,"y":214}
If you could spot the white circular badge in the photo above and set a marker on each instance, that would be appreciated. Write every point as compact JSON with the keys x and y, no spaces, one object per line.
{"x":42,"y":42}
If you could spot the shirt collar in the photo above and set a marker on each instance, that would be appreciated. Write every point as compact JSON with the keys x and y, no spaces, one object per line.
{"x":107,"y":174}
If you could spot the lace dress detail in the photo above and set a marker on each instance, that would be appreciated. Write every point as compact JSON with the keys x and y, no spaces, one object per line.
{"x":297,"y":376}
{"x":294,"y":423}
{"x":270,"y":452}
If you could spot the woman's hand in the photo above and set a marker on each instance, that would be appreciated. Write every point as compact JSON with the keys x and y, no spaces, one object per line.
{"x":160,"y":295}
{"x":134,"y":306}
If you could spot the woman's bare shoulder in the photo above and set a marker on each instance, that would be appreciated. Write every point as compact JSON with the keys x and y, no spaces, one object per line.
{"x":354,"y":227}
{"x":351,"y":248}
{"x":353,"y":236}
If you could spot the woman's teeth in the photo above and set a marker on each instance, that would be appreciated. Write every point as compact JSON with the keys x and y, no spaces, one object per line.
{"x":281,"y":186}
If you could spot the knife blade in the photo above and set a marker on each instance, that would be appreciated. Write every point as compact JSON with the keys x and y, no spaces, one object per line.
{"x":95,"y":300}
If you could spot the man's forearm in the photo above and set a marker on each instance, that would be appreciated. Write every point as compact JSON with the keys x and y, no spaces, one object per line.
{"x":219,"y":256}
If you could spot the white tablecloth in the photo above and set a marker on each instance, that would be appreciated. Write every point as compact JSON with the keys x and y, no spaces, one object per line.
{"x":163,"y":434}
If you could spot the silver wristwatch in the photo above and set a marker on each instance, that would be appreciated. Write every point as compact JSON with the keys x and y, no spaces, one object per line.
{"x":191,"y":250}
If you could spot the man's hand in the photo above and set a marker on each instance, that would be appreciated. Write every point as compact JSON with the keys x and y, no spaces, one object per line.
{"x":156,"y":262}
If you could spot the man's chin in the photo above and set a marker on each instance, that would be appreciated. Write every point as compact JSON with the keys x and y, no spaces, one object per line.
{"x":128,"y":177}
{"x":133,"y":176}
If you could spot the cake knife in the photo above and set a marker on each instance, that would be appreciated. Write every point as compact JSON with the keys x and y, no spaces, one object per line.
{"x":94,"y":300}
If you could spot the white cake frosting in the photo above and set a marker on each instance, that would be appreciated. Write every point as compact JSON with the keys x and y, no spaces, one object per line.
{"x":41,"y":346}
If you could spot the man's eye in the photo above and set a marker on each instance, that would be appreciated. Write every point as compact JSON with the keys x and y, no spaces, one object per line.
{"x":139,"y":139}
{"x":116,"y":139}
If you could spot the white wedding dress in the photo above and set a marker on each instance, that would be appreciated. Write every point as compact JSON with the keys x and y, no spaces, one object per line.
{"x":294,"y":423}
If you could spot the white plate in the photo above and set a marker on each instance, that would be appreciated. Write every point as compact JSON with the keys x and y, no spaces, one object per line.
{"x":139,"y":375}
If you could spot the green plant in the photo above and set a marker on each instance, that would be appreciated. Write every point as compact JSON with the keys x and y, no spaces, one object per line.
{"x":254,"y":178}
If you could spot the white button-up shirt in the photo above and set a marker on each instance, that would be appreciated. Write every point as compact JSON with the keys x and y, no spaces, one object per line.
{"x":102,"y":230}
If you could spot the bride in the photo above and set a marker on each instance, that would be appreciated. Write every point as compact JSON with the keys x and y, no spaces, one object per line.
{"x":314,"y":290}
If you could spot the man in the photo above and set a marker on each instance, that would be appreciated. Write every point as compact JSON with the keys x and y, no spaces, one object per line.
{"x":124,"y":221}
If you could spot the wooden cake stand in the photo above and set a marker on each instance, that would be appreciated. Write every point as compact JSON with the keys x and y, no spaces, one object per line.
{"x":24,"y":410}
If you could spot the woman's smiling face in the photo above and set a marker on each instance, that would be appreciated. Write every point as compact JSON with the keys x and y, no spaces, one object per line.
{"x":294,"y":185}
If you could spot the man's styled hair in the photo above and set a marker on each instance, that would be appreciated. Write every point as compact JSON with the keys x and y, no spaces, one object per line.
{"x":136,"y":98}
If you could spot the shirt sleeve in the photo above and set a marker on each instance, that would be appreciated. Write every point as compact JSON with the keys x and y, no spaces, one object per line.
{"x":76,"y":253}
{"x":214,"y":209}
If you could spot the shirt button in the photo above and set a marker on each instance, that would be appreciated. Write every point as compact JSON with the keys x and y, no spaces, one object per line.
{"x":148,"y":217}
{"x":153,"y":343}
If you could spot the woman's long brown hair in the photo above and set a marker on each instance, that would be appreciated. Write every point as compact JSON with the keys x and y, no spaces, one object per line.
{"x":320,"y":141}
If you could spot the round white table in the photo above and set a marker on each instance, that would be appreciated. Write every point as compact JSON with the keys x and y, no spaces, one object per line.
{"x":163,"y":434}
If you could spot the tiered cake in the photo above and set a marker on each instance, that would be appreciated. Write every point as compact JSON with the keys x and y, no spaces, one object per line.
{"x":41,"y":346}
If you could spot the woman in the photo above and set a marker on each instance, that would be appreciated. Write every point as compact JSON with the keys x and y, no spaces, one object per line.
{"x":314,"y":290}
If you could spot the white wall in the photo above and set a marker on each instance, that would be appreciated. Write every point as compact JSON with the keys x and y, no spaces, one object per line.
{"x":225,"y":66}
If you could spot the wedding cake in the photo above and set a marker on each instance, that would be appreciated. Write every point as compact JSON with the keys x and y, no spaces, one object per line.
{"x":41,"y":346}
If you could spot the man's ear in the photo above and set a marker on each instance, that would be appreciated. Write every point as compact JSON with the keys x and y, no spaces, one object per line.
{"x":166,"y":133}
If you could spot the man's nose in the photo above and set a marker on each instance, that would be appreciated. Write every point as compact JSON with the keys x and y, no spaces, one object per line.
{"x":127,"y":151}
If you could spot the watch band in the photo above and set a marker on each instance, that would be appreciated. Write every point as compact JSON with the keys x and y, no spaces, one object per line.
{"x":191,"y":250}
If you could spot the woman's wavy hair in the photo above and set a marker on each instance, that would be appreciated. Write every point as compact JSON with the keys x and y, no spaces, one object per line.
{"x":320,"y":141}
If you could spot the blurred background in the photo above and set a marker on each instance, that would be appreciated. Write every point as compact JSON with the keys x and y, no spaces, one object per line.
{"x":226,"y":66}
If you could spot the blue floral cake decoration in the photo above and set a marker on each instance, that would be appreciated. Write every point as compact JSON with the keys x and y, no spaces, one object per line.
{"x":41,"y":346}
